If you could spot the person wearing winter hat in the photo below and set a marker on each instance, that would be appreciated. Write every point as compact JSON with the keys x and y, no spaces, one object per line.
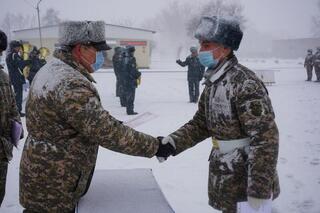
{"x":16,"y":64}
{"x":236,"y":112}
{"x":316,"y":63}
{"x":9,"y":115}
{"x":66,"y":123}
{"x":195,"y":73}
{"x":308,"y":64}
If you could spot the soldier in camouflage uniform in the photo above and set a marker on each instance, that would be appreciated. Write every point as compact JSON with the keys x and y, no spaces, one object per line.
{"x":195,"y":73}
{"x":317,"y":64}
{"x":236,"y":112}
{"x":8,"y":112}
{"x":67,"y":123}
{"x":308,"y":64}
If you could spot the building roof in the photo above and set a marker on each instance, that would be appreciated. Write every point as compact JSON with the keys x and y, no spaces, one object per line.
{"x":113,"y":25}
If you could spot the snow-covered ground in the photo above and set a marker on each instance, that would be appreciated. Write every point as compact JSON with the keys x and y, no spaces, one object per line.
{"x":183,"y":178}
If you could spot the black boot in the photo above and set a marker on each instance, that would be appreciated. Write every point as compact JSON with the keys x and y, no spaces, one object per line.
{"x":132,"y":113}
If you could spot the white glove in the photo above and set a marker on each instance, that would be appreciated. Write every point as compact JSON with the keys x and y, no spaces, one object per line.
{"x":256,"y":203}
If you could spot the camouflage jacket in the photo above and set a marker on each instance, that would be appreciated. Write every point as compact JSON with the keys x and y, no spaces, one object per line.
{"x":66,"y":124}
{"x":8,"y":112}
{"x":308,"y":61}
{"x":235,"y":105}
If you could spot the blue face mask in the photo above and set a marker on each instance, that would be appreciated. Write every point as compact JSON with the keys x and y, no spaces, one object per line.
{"x":206,"y":59}
{"x":99,"y":61}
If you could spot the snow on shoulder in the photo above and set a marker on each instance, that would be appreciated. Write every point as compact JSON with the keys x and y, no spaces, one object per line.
{"x":51,"y":75}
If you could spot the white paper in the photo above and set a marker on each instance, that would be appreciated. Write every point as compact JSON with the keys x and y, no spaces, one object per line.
{"x":244,"y":207}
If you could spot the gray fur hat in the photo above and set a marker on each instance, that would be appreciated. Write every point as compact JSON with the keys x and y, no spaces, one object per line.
{"x":193,"y":49}
{"x":220,"y":30}
{"x":83,"y":32}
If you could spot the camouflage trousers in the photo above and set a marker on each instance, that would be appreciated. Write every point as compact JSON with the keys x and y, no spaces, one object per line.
{"x":3,"y":178}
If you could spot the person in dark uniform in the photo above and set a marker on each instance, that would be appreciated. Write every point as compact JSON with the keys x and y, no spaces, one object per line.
{"x":36,"y":63}
{"x":122,"y":77}
{"x":15,"y":65}
{"x":131,"y":77}
{"x":308,"y":64}
{"x":117,"y":63}
{"x":195,"y":73}
{"x":317,"y":64}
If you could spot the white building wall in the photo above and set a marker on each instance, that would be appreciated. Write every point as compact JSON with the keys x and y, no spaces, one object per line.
{"x":114,"y":34}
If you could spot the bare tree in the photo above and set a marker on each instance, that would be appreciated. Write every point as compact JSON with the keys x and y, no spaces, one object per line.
{"x":51,"y":17}
{"x":13,"y":22}
{"x":170,"y":24}
{"x":316,"y":22}
{"x":177,"y":22}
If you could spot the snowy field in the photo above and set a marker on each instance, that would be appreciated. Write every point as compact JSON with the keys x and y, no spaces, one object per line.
{"x":183,"y":178}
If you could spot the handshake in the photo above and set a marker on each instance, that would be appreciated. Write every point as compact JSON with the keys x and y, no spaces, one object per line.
{"x":166,"y":148}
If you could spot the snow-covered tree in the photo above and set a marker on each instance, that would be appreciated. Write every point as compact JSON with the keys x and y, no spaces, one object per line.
{"x":230,"y":9}
{"x":316,"y":22}
{"x":177,"y":22}
{"x":51,"y":17}
{"x":13,"y":22}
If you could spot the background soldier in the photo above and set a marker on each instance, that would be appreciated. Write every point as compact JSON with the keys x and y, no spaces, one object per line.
{"x":67,"y":123}
{"x":131,"y":76}
{"x":36,"y":63}
{"x":317,"y":64}
{"x":235,"y":110}
{"x":195,"y":73}
{"x":308,"y":64}
{"x":122,"y":77}
{"x":8,"y":113}
{"x":117,"y":64}
{"x":15,"y":65}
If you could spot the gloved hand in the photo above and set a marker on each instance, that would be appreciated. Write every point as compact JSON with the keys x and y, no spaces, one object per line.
{"x":256,"y":203}
{"x":166,"y":148}
{"x":178,"y":61}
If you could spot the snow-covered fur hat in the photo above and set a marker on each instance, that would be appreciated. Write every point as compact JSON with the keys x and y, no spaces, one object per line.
{"x":193,"y":49}
{"x":83,"y":32}
{"x":220,"y":30}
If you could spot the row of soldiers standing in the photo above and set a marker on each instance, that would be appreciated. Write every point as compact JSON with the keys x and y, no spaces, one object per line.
{"x":312,"y":60}
{"x":127,"y":76}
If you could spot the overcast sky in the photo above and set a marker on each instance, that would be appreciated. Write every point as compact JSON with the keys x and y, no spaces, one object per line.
{"x":280,"y":18}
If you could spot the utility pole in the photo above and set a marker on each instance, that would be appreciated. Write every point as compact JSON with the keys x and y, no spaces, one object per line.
{"x":39,"y":25}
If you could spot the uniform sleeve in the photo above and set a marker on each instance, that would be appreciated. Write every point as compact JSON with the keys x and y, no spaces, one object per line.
{"x":184,"y":63}
{"x":82,"y":110}
{"x":19,"y":62}
{"x":194,"y":131}
{"x":257,"y":120}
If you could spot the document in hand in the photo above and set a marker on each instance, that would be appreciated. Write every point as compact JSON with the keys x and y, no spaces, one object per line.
{"x":16,"y":131}
{"x":244,"y":207}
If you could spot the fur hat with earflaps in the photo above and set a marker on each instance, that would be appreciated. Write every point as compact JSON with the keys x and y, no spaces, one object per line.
{"x":83,"y":32}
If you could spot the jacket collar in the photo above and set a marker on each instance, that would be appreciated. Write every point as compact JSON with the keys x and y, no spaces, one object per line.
{"x":67,"y":58}
{"x":212,"y":75}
